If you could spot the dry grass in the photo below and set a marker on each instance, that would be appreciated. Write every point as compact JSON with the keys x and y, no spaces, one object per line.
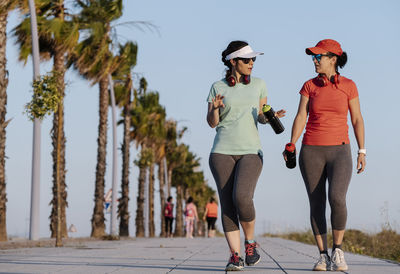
{"x":384,"y":245}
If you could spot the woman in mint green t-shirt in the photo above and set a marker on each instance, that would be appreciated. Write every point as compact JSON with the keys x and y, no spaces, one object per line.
{"x":234,"y":109}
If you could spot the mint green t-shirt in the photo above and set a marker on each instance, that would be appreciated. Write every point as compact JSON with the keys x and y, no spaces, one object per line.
{"x":237,"y":132}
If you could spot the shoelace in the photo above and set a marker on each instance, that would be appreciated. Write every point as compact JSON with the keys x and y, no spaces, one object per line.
{"x":234,"y":258}
{"x":338,"y":257}
{"x":322,"y":260}
{"x":250,"y":249}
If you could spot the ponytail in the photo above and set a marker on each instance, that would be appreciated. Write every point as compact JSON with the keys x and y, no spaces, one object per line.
{"x":232,"y":47}
{"x":341,"y":60}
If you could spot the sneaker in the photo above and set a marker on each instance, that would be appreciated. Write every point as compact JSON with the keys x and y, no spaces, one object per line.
{"x":252,"y":256}
{"x":323,"y":263}
{"x":235,"y":263}
{"x":338,"y":262}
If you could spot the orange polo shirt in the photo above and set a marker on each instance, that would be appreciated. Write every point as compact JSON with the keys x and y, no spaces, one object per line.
{"x":327,"y":112}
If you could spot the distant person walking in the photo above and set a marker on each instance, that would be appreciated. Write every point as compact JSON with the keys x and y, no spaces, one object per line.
{"x":168,"y":217}
{"x":234,"y":107}
{"x":190,"y":217}
{"x":325,"y":153}
{"x":211,"y":215}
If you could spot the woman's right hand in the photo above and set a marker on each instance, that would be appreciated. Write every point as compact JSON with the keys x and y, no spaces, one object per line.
{"x":284,"y":154}
{"x":217,"y":102}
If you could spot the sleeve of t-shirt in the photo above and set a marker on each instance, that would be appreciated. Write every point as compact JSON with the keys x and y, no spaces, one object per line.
{"x":211,"y":94}
{"x":305,"y":90}
{"x":353,"y":90}
{"x":263,"y":91}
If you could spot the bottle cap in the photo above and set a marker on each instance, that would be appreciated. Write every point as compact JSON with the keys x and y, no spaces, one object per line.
{"x":266,"y":108}
{"x":290,"y":147}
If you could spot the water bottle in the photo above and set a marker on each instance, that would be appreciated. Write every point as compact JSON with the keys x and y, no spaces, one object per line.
{"x":290,"y":152}
{"x":273,"y":120}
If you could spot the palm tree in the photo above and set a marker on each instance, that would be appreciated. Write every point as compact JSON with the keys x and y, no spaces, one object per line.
{"x":157,"y":142}
{"x":175,"y":156}
{"x":151,"y":199}
{"x":156,"y":139}
{"x":143,"y":163}
{"x":160,"y":160}
{"x":161,"y":180}
{"x":173,"y":135}
{"x":167,"y":142}
{"x":139,"y":135}
{"x":175,"y":160}
{"x":147,"y":122}
{"x":186,"y":180}
{"x":3,"y":103}
{"x":58,"y":35}
{"x":5,"y":7}
{"x":123,"y":91}
{"x":94,"y":61}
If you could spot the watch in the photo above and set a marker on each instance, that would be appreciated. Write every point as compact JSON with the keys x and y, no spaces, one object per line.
{"x":363,"y":151}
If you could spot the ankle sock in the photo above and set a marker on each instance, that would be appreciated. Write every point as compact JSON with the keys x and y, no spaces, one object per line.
{"x":250,"y":241}
{"x":336,"y":246}
{"x":323,"y":252}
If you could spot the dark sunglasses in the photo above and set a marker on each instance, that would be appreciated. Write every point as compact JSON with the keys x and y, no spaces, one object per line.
{"x":247,"y":60}
{"x":318,"y":57}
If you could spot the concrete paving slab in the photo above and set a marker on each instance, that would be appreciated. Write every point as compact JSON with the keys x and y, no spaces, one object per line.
{"x":178,"y":255}
{"x":295,"y":257}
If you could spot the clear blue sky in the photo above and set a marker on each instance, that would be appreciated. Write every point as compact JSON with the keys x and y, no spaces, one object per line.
{"x":182,"y":62}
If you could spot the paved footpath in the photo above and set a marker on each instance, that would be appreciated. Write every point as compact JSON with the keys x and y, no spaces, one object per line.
{"x":179,"y":255}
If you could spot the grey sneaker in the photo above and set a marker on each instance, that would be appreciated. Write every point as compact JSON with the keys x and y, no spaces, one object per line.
{"x":338,"y":262}
{"x":323,"y":263}
{"x":235,"y":263}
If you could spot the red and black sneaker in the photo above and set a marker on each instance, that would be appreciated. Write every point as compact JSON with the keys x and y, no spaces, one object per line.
{"x":235,"y":263}
{"x":252,"y":256}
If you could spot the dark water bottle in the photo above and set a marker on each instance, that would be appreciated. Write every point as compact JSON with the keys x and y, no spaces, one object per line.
{"x":290,"y":152}
{"x":273,"y":120}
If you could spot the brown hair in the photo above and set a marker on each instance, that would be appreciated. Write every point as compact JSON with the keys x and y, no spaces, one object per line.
{"x":232,"y":47}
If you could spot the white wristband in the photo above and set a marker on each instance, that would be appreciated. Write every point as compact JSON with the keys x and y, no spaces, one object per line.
{"x":363,"y":151}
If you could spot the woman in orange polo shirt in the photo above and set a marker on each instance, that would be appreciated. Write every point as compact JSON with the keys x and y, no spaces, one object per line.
{"x":211,"y":215}
{"x":325,"y":153}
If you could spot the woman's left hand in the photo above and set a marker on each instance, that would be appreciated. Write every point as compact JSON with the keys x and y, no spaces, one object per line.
{"x":360,"y":163}
{"x":280,"y":113}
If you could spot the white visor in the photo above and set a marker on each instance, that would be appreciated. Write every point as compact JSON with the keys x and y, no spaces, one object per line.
{"x":245,"y":52}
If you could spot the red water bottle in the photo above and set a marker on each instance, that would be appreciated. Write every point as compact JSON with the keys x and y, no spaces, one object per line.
{"x":290,"y":152}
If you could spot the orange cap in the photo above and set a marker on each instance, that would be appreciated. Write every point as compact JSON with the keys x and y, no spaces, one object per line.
{"x":324,"y":46}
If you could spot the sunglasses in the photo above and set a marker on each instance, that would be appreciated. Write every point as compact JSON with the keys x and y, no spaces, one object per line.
{"x":247,"y":60}
{"x":318,"y":57}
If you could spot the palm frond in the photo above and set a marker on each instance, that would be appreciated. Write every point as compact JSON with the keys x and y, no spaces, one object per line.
{"x":140,"y":25}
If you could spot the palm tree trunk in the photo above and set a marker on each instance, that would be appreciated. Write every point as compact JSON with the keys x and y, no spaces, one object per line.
{"x":3,"y":124}
{"x":169,"y":172}
{"x":179,"y":212}
{"x":98,"y":225}
{"x":58,"y":141}
{"x":140,"y":201}
{"x":161,"y":179}
{"x":151,"y":201}
{"x":123,"y":211}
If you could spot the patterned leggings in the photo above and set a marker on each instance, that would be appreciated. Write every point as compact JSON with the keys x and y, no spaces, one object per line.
{"x":189,"y":226}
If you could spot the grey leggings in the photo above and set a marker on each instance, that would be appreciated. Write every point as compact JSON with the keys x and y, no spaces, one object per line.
{"x":318,"y":163}
{"x":236,"y":177}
